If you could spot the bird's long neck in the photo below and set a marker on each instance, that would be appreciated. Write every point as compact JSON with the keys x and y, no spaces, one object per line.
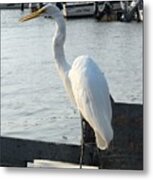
{"x":58,"y":45}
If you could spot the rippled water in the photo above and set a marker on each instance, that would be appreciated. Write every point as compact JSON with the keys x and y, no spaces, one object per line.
{"x":33,"y":101}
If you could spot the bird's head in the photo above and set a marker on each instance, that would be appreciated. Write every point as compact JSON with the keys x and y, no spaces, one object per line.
{"x":49,"y":8}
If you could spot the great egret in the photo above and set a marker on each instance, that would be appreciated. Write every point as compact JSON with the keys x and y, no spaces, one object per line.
{"x":84,"y":82}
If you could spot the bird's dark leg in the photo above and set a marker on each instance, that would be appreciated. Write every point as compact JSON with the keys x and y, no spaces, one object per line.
{"x":82,"y":140}
{"x":100,"y":158}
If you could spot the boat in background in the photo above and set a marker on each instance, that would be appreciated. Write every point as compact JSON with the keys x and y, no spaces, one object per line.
{"x":91,"y":9}
{"x":78,"y":9}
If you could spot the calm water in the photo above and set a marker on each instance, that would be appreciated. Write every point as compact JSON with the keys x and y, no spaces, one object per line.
{"x":34,"y":102}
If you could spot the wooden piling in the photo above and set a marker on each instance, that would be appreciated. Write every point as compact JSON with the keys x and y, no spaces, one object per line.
{"x":126,"y":149}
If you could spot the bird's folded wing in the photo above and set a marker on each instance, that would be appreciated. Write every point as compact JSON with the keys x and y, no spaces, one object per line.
{"x":91,"y":94}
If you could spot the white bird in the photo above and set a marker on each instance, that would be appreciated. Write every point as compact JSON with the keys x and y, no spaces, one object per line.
{"x":84,"y":81}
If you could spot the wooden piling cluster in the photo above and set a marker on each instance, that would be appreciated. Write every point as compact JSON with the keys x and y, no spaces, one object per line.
{"x":125,"y":151}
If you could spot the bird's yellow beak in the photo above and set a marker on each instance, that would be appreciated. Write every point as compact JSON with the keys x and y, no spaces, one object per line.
{"x":32,"y":15}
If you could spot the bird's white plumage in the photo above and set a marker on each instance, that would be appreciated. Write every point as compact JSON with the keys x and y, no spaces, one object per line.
{"x":84,"y":82}
{"x":92,"y":97}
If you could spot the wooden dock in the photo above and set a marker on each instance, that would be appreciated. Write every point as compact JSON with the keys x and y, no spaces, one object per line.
{"x":125,"y":152}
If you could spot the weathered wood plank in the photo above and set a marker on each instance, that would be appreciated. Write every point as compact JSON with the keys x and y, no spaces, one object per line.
{"x":17,"y":152}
